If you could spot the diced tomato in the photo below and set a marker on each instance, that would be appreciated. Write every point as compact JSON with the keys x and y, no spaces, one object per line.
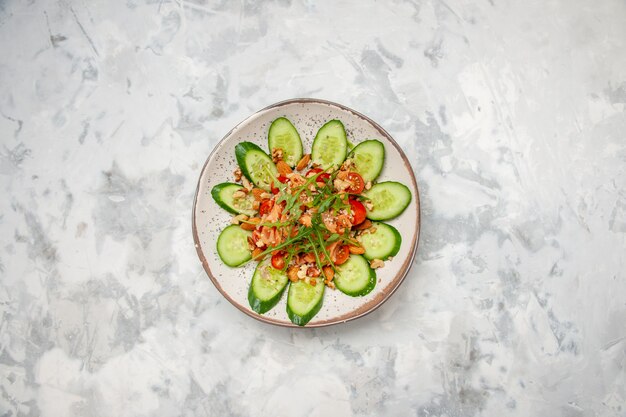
{"x":358,"y":211}
{"x":278,"y":260}
{"x":265,"y":207}
{"x":324,"y":176}
{"x":275,"y":190}
{"x":282,"y":179}
{"x":341,"y":255}
{"x":357,"y":183}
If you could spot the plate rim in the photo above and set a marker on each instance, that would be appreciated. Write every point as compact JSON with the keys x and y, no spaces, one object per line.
{"x":360,"y":311}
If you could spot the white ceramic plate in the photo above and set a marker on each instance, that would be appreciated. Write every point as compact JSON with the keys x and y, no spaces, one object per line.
{"x":307,"y":115}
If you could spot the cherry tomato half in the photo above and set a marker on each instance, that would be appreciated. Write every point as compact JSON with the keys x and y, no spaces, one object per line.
{"x":357,"y":183}
{"x":358,"y":212}
{"x":278,"y":260}
{"x":265,"y":207}
{"x":312,"y":171}
{"x":321,"y":177}
{"x":341,"y":255}
{"x":275,"y":190}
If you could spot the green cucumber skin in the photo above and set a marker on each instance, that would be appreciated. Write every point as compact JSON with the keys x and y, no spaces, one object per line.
{"x":343,"y":152}
{"x":215,"y":193}
{"x":275,"y":123}
{"x":241,"y":149}
{"x":364,"y":144}
{"x":364,"y":291}
{"x":263,"y":306}
{"x":400,"y":209}
{"x":297,"y":319}
{"x":396,"y":248}
{"x":233,"y":265}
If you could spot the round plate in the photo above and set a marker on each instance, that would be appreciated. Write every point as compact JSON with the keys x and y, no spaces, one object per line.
{"x":307,"y":115}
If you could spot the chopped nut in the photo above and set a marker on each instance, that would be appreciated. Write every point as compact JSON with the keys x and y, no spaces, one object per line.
{"x":342,"y":175}
{"x":296,"y":179}
{"x":330,"y":284}
{"x":247,"y":184}
{"x":237,"y":173}
{"x":315,"y":165}
{"x":368,"y":205}
{"x":239,"y":194}
{"x":303,"y":162}
{"x":265,"y":195}
{"x":277,"y":155}
{"x":365,"y":225}
{"x":376,"y":263}
{"x":251,"y":244}
{"x":256,"y":254}
{"x":257,"y":193}
{"x":308,"y":257}
{"x":372,"y":230}
{"x":341,"y":185}
{"x":356,"y":250}
{"x":313,"y":282}
{"x":347,"y":164}
{"x":302,"y":271}
{"x":368,"y":185}
{"x":305,"y":220}
{"x":256,"y":204}
{"x":251,"y":225}
{"x":283,"y":168}
{"x":292,"y":273}
{"x":329,"y":273}
{"x":390,"y":258}
{"x":312,"y":187}
{"x":312,"y":271}
{"x":236,"y":219}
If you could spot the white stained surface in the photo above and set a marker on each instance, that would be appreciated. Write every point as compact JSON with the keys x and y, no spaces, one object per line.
{"x":511,"y":112}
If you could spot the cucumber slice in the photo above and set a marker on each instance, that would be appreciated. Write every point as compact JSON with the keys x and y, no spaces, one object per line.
{"x":223,"y":196}
{"x":283,"y":135}
{"x":232,"y":246}
{"x":384,"y":242}
{"x":330,"y":145}
{"x":355,"y":277}
{"x":368,"y":158}
{"x":266,"y":288}
{"x":304,"y":301}
{"x":389,"y":200}
{"x":255,"y":164}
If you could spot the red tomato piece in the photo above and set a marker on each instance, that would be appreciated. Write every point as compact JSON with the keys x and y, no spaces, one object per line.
{"x":323,"y":177}
{"x":357,"y":183}
{"x":358,"y":212}
{"x":341,"y":255}
{"x":265,"y":207}
{"x":278,"y":260}
{"x":312,"y":171}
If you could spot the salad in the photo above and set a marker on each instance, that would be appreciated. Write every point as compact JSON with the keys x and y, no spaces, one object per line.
{"x":310,"y":221}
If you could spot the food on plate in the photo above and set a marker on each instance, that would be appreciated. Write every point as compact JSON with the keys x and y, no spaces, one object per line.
{"x":311,"y":221}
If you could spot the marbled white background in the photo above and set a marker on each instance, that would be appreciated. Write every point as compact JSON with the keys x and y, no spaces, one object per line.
{"x":512,"y":113}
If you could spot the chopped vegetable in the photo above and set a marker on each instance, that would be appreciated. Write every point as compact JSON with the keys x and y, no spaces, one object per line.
{"x":308,"y":214}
